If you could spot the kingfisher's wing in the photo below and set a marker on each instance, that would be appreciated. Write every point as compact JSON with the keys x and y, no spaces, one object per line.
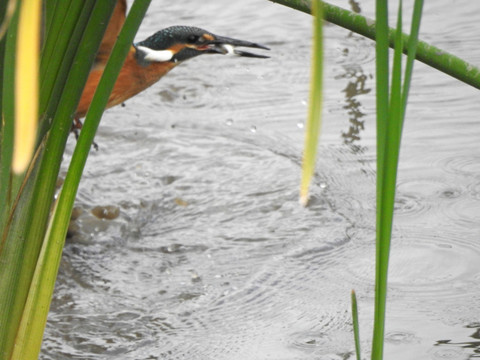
{"x":111,"y":34}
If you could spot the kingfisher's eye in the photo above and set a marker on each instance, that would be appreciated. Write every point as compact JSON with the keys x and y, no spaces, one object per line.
{"x":192,"y":39}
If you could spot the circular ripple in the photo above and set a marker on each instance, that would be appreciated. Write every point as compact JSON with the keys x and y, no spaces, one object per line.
{"x":462,"y":164}
{"x":410,"y":205}
{"x":435,"y":201}
{"x":426,"y":188}
{"x":401,"y":337}
{"x":474,"y":190}
{"x":464,"y":213}
{"x":434,"y":265}
{"x":448,"y":353}
{"x":414,"y":197}
{"x":354,"y":50}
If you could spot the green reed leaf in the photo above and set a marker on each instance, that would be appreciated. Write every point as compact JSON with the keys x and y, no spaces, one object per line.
{"x":412,"y":50}
{"x":382,"y":84}
{"x":356,"y":325}
{"x":312,"y":128}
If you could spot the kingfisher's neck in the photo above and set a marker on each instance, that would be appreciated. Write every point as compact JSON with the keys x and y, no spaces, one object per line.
{"x":134,"y":77}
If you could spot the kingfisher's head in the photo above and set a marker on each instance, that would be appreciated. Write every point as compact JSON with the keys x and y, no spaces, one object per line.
{"x":180,"y":43}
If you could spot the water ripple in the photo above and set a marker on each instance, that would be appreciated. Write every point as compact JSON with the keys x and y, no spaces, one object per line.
{"x":423,"y":266}
{"x":468,"y":165}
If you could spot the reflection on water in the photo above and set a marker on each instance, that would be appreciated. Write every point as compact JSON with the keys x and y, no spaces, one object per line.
{"x":355,"y":87}
{"x":189,"y":242}
{"x":449,"y":349}
{"x":355,"y":6}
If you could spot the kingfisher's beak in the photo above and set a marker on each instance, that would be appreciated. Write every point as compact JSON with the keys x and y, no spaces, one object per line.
{"x":228,"y":46}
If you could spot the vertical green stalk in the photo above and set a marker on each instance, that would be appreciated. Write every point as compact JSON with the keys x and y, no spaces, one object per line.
{"x":356,"y":331}
{"x":312,"y":129}
{"x":412,"y":46}
{"x":7,"y":119}
{"x":382,"y":245}
{"x":389,"y":131}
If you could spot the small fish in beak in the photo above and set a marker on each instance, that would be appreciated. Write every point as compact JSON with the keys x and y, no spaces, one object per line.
{"x":228,"y":46}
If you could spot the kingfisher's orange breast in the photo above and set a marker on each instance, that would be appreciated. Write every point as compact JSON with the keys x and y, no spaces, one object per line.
{"x":133,"y":78}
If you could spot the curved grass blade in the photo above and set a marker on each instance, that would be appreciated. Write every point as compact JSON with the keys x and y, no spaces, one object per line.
{"x":356,"y":331}
{"x":312,"y":129}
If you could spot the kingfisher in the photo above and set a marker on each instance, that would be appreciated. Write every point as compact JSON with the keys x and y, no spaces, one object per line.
{"x":149,"y":60}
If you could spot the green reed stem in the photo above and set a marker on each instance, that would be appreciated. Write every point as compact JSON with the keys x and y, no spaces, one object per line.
{"x":412,"y":47}
{"x":383,"y":242}
{"x":356,"y":325}
{"x":8,"y":117}
{"x":389,"y":131}
{"x":312,"y":128}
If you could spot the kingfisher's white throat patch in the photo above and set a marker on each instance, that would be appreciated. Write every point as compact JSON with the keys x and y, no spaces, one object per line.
{"x":156,"y":55}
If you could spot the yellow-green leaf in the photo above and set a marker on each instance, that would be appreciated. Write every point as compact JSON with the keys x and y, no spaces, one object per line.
{"x":26,"y":84}
{"x":312,"y":130}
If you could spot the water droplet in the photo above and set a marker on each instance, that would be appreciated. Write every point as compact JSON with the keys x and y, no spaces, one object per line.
{"x":229,"y":122}
{"x":304,"y":102}
{"x":253,"y":129}
{"x":323,"y":185}
{"x":300,"y":125}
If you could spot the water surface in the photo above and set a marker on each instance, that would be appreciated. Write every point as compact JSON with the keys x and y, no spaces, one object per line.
{"x":208,"y":254}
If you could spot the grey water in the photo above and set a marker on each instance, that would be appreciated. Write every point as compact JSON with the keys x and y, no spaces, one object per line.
{"x":189,"y":241}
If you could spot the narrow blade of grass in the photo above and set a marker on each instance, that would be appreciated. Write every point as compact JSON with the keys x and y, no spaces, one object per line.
{"x":312,"y":129}
{"x":382,"y":86}
{"x":8,"y":120}
{"x":356,"y":325}
{"x":382,"y":83}
{"x":396,"y":90}
{"x":412,"y":50}
{"x":387,"y":172}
